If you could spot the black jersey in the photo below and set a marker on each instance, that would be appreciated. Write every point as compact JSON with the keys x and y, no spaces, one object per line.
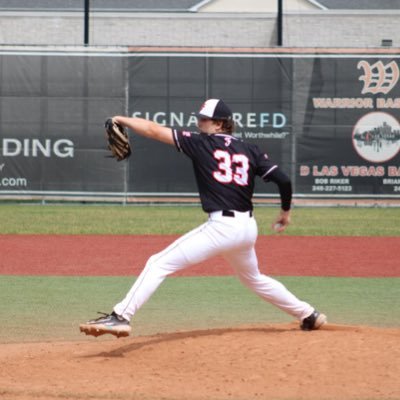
{"x":225,"y":168}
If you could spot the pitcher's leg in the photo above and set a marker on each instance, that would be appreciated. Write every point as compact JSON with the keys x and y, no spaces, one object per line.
{"x":246,"y":266}
{"x":192,"y":248}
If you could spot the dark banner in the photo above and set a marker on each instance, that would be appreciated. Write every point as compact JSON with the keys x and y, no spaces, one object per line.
{"x":169,"y":90}
{"x":330,"y":122}
{"x":52,"y":110}
{"x":350,"y":141}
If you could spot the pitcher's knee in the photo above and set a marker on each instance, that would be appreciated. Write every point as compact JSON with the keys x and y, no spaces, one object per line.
{"x":151,"y":260}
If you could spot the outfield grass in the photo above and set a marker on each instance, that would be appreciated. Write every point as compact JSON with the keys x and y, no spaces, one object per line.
{"x":51,"y":308}
{"x":116,"y":219}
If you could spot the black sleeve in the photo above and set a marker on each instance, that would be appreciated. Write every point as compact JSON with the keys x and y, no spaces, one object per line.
{"x":284,"y":185}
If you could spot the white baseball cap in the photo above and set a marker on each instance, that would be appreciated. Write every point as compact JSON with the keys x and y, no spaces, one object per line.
{"x":214,"y":109}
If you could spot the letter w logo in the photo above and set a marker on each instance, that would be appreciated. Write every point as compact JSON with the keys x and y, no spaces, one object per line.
{"x":378,"y":78}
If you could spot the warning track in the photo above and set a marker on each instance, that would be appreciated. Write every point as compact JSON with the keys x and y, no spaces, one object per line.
{"x":119,"y":255}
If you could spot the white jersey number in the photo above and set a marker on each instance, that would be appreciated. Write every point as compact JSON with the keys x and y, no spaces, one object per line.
{"x":233,"y":167}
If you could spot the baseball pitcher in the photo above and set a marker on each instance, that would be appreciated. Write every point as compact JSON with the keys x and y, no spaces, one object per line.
{"x":225,"y":169}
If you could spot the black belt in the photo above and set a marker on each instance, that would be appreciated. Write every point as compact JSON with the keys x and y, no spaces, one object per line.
{"x":229,"y":213}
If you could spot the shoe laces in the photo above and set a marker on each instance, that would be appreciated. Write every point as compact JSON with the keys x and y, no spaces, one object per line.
{"x":103,"y":315}
{"x":113,"y":314}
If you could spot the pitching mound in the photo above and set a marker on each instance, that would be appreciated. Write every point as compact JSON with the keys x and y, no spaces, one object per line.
{"x":250,"y":362}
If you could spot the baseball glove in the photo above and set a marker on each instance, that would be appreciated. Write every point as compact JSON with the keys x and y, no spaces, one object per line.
{"x":117,"y":139}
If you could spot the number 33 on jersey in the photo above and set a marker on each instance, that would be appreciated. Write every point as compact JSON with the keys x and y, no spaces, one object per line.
{"x":225,"y":168}
{"x":231,"y":167}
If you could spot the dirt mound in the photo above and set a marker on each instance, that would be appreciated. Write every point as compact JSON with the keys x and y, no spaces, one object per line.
{"x":249,"y":362}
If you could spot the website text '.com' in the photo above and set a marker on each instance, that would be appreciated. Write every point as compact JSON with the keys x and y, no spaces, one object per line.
{"x":13,"y":182}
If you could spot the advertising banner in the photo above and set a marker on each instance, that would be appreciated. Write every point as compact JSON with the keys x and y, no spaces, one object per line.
{"x":350,"y":141}
{"x":52,"y":110}
{"x":331,"y":122}
{"x":169,"y":90}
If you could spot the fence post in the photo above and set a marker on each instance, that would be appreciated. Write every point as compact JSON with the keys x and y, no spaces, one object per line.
{"x":86,"y":24}
{"x":280,"y":24}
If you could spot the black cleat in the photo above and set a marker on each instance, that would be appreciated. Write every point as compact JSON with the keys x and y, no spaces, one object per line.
{"x":314,"y":321}
{"x":108,"y":323}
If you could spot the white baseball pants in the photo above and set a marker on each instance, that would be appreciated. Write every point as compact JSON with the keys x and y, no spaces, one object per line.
{"x":233,"y":238}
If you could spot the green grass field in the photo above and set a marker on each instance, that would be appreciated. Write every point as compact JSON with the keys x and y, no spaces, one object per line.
{"x":46,"y":308}
{"x":116,"y":219}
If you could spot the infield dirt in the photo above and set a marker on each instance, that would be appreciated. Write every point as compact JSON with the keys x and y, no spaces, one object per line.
{"x":249,"y":362}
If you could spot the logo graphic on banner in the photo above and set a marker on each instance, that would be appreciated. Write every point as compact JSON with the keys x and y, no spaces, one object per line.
{"x":378,"y":78}
{"x":376,"y":137}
